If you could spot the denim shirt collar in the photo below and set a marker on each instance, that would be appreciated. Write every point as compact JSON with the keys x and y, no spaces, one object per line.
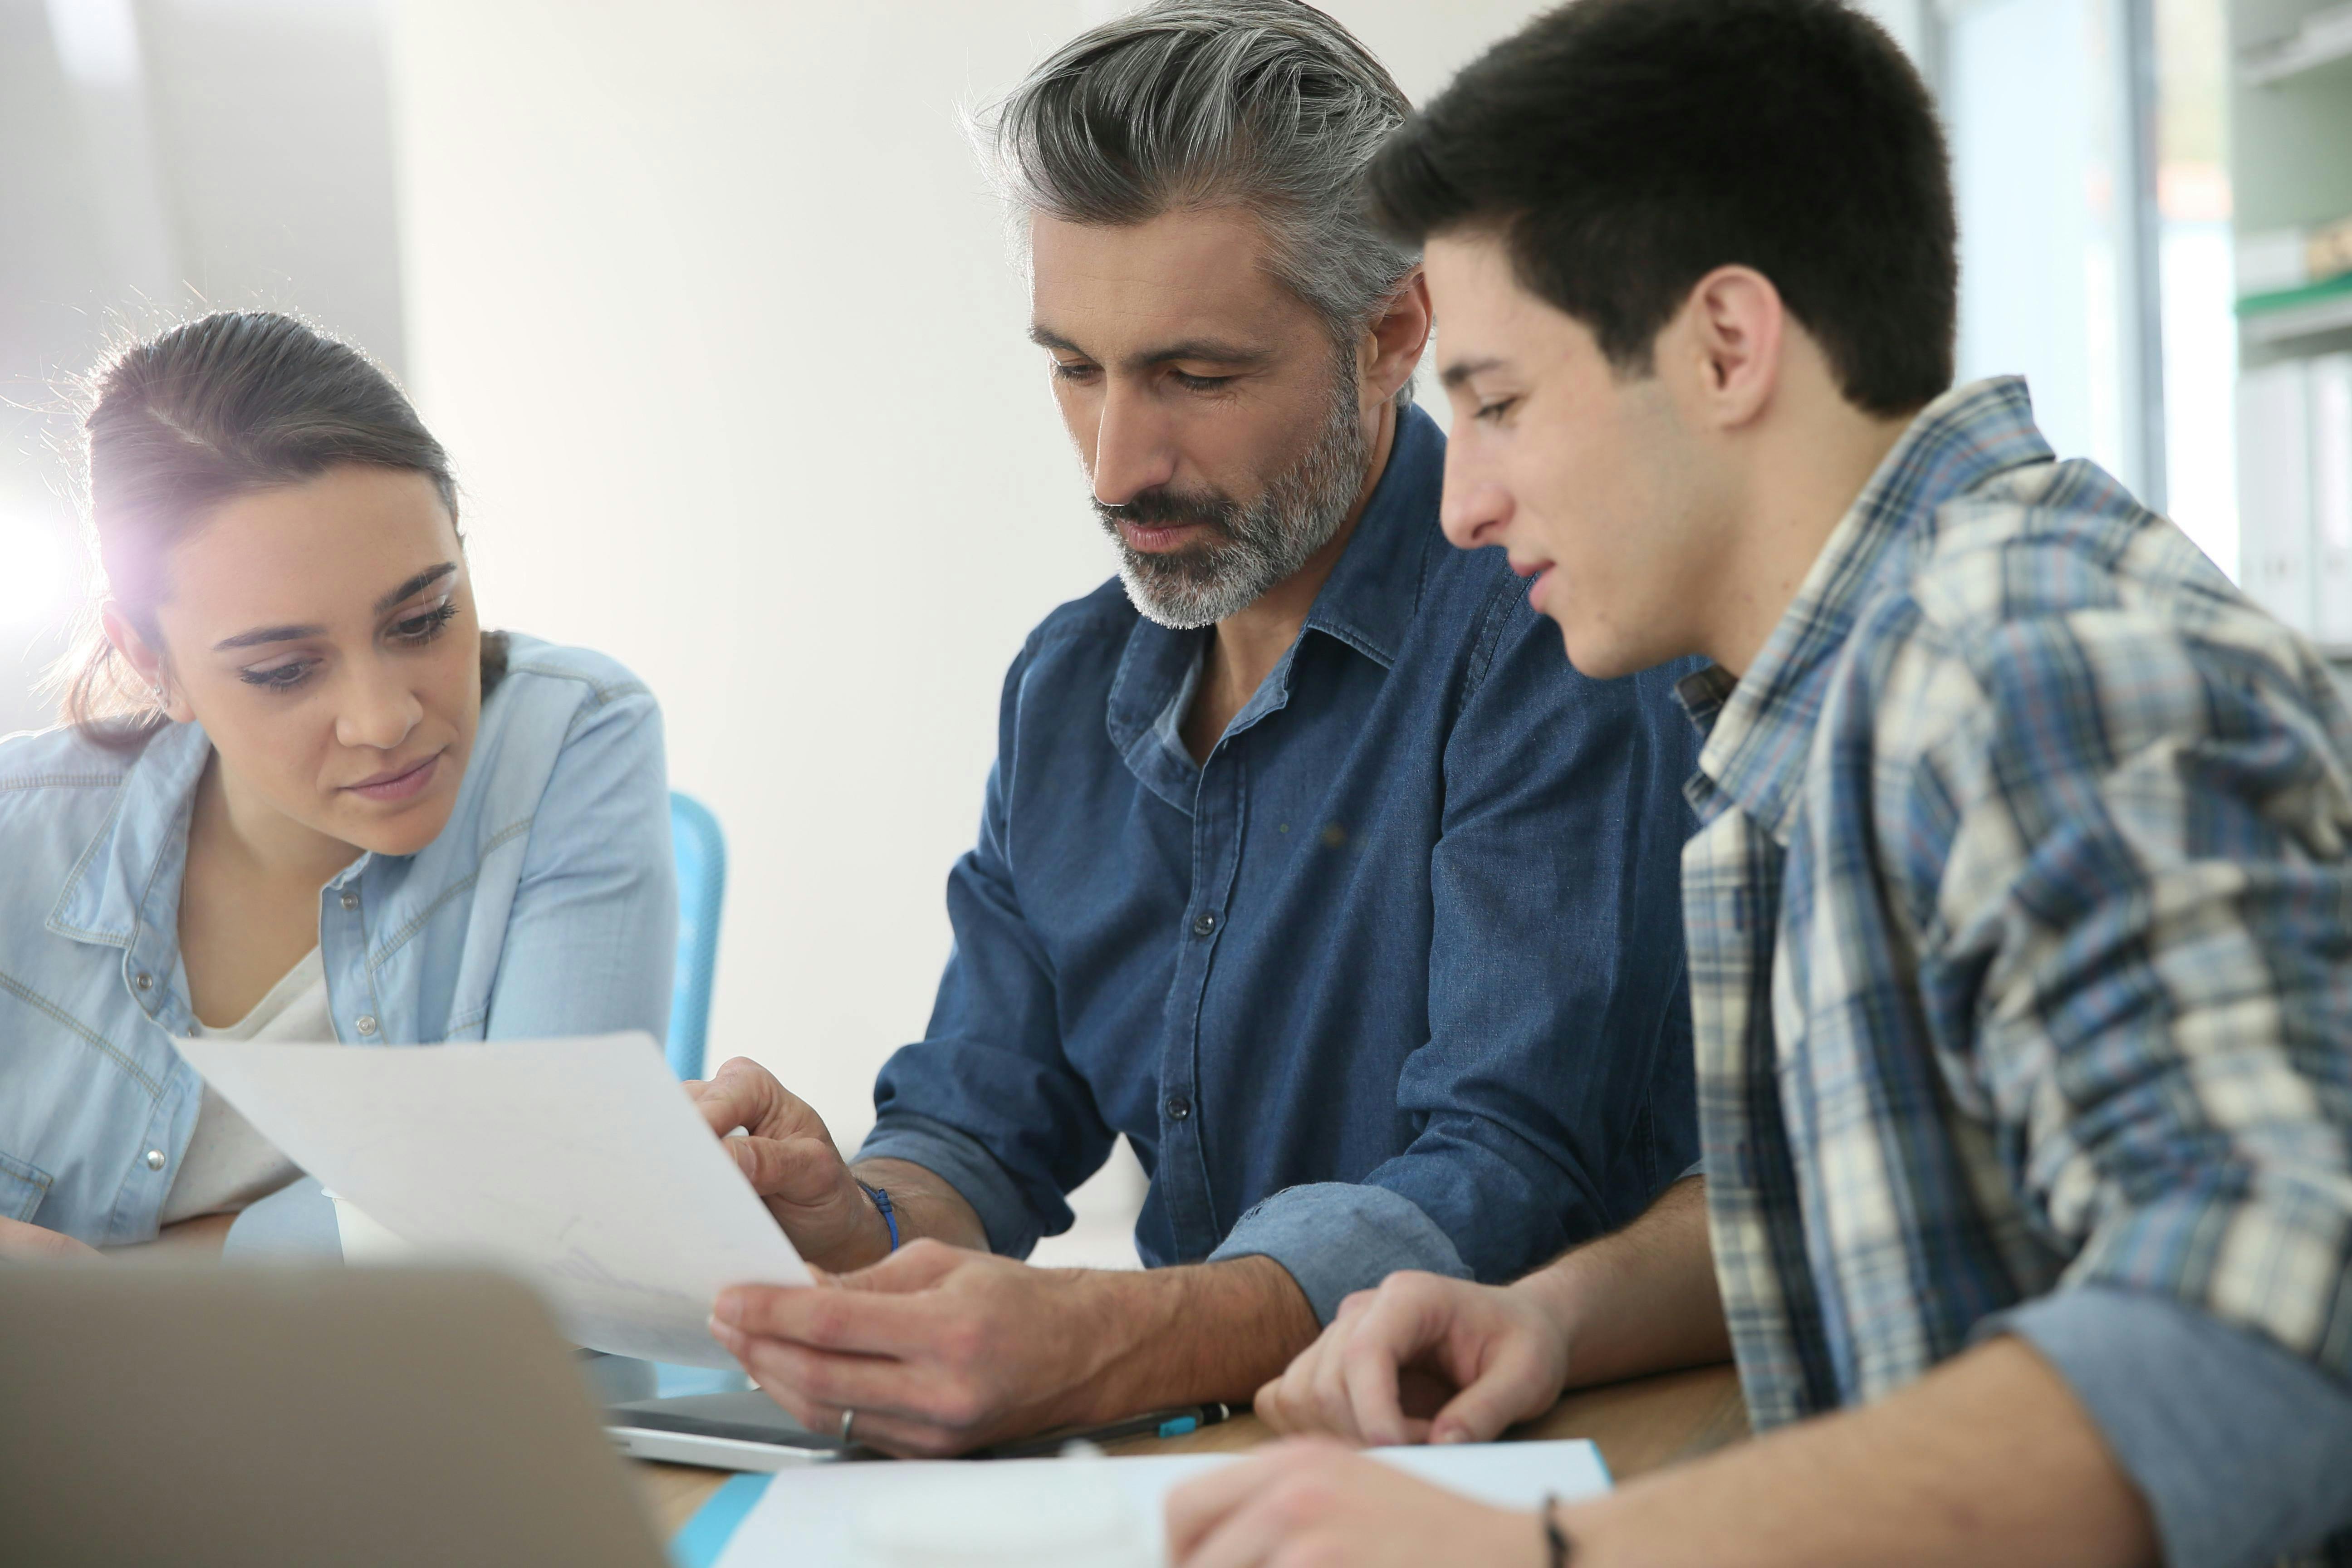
{"x":1759,"y":728}
{"x":134,"y":864}
{"x":1367,"y":604}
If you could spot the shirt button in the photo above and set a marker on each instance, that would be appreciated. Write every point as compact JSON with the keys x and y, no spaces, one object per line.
{"x":144,"y":981}
{"x":1178,"y":1108}
{"x":364,"y":1023}
{"x":154,"y":1159}
{"x":351,"y":901}
{"x":1204,"y":923}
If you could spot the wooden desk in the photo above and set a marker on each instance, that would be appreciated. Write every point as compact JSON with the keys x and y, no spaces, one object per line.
{"x":1644,"y":1424}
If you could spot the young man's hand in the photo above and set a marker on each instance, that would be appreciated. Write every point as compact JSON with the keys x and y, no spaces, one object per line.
{"x":791,"y":1162}
{"x":937,"y":1348}
{"x":1422,"y":1358}
{"x":1312,"y":1501}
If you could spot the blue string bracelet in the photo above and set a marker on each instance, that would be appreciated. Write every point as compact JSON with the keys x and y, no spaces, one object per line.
{"x":882,"y":1203}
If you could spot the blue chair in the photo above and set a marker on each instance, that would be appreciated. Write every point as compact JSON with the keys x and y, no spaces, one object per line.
{"x":702,"y":851}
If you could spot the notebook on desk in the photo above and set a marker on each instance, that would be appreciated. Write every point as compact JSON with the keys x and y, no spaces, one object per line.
{"x":1091,"y":1510}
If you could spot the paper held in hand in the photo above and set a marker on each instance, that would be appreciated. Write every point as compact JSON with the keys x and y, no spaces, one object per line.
{"x":578,"y":1163}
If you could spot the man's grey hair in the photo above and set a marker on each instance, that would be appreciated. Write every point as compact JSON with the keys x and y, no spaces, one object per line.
{"x":1268,"y":105}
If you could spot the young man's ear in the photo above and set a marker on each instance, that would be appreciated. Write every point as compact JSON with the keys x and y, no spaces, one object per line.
{"x":1729,"y":335}
{"x":1393,"y":346}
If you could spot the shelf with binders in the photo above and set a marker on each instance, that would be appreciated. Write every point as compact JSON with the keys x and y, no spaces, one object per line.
{"x":2319,"y":39}
{"x":2290,"y":118}
{"x":2295,"y":289}
{"x":2295,"y":468}
{"x":2300,"y":319}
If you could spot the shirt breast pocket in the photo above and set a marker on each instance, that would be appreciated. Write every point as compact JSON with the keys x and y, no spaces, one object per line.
{"x":22,"y":1188}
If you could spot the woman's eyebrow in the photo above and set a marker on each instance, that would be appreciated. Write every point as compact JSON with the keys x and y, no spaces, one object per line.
{"x":260,"y":635}
{"x":416,"y":585}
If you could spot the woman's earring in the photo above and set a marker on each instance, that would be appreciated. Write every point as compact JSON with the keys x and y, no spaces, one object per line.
{"x":163,"y":698}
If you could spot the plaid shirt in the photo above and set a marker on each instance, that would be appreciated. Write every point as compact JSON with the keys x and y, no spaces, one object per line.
{"x":2021,"y":935}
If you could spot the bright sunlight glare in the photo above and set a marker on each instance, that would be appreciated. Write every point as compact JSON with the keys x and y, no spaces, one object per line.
{"x":36,"y":573}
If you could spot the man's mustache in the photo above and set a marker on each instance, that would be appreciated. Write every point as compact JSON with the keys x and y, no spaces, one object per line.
{"x":1157,"y":509}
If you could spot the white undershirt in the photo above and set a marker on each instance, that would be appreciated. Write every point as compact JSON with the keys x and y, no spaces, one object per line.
{"x":228,"y":1165}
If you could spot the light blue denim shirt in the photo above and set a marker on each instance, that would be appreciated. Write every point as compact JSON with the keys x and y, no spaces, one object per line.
{"x":547,"y":907}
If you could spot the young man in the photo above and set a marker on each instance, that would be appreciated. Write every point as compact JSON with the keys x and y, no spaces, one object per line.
{"x":1305,"y":865}
{"x":2019,"y":910}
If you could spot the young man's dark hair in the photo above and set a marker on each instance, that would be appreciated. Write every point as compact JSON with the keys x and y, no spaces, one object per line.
{"x":1626,"y":148}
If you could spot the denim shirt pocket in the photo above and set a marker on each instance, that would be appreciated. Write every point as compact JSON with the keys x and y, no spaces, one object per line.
{"x":22,"y":1188}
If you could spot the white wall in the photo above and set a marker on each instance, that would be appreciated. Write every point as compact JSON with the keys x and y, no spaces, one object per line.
{"x":711,"y":304}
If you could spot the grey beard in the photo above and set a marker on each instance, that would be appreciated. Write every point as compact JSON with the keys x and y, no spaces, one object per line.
{"x":1266,"y":542}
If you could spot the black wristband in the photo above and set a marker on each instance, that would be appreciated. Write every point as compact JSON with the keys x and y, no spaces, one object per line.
{"x":1558,"y":1548}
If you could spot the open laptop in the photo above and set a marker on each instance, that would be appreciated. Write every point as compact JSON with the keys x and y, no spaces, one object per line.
{"x":157,"y":1414}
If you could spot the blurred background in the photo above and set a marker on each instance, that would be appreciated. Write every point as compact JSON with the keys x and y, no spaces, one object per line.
{"x":709,"y":302}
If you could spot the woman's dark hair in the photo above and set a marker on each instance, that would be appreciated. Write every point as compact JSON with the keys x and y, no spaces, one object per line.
{"x":1622,"y":150}
{"x":236,"y":402}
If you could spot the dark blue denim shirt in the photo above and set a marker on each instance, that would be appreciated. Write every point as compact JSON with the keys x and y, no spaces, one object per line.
{"x":1394,"y":981}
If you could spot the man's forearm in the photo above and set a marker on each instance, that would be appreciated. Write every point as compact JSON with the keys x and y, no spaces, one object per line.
{"x":924,"y":1203}
{"x":1190,"y":1334}
{"x":1156,"y":1336}
{"x":1989,"y":1458}
{"x":1641,"y":1299}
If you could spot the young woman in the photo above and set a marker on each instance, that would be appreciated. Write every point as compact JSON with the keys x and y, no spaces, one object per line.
{"x":299,"y":794}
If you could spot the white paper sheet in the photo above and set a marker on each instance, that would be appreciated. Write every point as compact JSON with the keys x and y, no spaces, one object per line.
{"x":578,"y":1163}
{"x":813,"y":1517}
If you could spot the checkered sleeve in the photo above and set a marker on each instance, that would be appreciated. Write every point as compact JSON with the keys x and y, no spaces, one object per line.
{"x":2139,"y":949}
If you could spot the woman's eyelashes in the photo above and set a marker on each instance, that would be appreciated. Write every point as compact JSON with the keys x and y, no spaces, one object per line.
{"x":423,"y":628}
{"x":277,"y":676}
{"x":409,"y":631}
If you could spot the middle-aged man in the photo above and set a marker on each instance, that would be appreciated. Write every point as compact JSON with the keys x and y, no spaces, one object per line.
{"x":2020,"y":912}
{"x":1306,"y":863}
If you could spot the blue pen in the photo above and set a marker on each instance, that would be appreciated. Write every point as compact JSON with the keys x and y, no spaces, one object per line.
{"x":1159,"y":1424}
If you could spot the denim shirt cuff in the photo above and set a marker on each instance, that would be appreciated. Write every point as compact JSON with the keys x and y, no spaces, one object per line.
{"x":2237,"y":1446}
{"x":1338,"y":1237}
{"x":963,"y":1162}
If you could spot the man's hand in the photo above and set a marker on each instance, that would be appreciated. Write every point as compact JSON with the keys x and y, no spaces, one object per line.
{"x":1314,"y":1502}
{"x":1480,"y":1358}
{"x":790,"y":1162}
{"x":1477,"y":1356}
{"x":938,"y":1350}
{"x":22,"y":1243}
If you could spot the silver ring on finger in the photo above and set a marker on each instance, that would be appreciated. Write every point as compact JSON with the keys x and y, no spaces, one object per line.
{"x":849,"y":1420}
